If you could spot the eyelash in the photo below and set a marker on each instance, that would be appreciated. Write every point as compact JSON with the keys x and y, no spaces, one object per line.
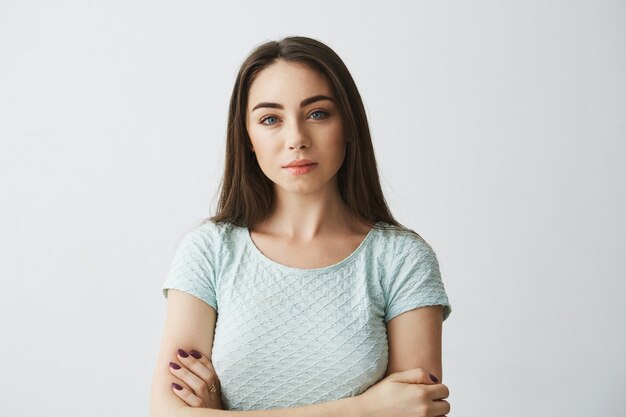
{"x":313,"y":112}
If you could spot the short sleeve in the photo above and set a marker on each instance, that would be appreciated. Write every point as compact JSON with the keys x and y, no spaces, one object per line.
{"x":192,"y":269}
{"x":415,"y":279}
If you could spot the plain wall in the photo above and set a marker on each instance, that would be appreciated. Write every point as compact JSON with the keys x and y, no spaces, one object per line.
{"x":499,"y":130}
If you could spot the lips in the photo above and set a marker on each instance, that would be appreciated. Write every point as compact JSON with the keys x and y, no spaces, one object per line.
{"x":299,"y":163}
{"x":301,"y":166}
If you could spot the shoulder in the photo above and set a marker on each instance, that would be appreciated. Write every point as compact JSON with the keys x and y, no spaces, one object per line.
{"x":399,"y":242}
{"x":205,"y":247}
{"x":207,"y":238}
{"x":412,"y":277}
{"x":404,"y":254}
{"x":209,"y":231}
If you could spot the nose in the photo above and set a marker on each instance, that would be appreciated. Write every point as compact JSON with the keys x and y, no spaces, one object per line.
{"x":297,"y":137}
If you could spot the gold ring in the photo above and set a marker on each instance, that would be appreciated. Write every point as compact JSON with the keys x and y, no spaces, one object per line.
{"x":212,"y":388}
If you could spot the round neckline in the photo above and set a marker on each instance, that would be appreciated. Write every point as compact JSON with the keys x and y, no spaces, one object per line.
{"x":292,"y":269}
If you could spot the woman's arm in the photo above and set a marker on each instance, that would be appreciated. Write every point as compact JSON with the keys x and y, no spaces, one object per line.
{"x":414,"y":339}
{"x":345,"y":407}
{"x":401,"y":394}
{"x":190,"y":324}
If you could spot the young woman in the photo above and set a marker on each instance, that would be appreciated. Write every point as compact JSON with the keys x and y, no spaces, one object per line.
{"x":302,"y":296}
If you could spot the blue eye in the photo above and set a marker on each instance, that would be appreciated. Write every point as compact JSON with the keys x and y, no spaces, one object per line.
{"x":322,"y":114}
{"x":268,"y":118}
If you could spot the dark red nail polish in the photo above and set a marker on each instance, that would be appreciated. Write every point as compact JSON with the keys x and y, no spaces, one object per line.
{"x":176,"y":386}
{"x":195,"y":354}
{"x":183,"y":353}
{"x":433,"y":377}
{"x":174,"y":365}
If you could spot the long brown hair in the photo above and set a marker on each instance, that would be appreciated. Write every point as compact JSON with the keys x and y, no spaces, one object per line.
{"x":247,"y":194}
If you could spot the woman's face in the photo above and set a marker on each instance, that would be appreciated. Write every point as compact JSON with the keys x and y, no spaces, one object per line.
{"x":291,"y":116}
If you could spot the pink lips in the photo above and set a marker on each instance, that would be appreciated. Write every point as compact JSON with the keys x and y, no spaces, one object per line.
{"x":301,"y":166}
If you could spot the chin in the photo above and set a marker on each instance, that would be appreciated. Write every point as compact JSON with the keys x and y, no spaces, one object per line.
{"x":303,"y":187}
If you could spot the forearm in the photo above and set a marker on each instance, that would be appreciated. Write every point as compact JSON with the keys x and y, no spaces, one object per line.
{"x":345,"y":407}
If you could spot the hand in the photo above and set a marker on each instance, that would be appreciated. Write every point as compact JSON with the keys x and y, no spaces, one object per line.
{"x":200,"y":386}
{"x":411,"y":392}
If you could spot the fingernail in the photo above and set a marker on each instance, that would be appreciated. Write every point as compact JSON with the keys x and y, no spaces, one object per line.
{"x":195,"y":354}
{"x":176,"y":386}
{"x":183,"y":353}
{"x":433,"y":377}
{"x":174,"y":365}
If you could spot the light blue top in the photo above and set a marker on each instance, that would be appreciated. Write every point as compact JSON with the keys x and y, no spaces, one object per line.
{"x":287,"y":336}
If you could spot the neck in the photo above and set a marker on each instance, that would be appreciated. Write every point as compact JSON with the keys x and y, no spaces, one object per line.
{"x":304,"y":216}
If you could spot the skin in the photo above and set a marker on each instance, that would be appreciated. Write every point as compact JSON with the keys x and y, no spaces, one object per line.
{"x":309,"y":227}
{"x":308,"y":207}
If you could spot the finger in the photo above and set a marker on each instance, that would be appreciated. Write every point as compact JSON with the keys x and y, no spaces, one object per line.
{"x":204,"y":360}
{"x":440,"y":407}
{"x":197,"y":367}
{"x":200,"y":357}
{"x":199,"y":387}
{"x":414,"y":376}
{"x":208,"y":364}
{"x":186,"y":395}
{"x":437,"y":391}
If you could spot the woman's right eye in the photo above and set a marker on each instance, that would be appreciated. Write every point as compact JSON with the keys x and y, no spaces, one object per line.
{"x":272,"y":120}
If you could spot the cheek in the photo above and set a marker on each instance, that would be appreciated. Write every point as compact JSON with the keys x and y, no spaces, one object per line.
{"x":338,"y":142}
{"x":263,"y":143}
{"x":257,"y":138}
{"x":265,"y":151}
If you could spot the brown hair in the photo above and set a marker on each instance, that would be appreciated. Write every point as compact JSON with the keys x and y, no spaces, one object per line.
{"x":247,"y":195}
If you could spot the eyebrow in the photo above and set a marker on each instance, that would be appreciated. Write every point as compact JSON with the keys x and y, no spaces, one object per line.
{"x":304,"y":102}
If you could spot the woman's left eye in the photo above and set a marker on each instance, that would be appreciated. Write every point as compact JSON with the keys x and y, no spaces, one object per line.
{"x":320,"y":114}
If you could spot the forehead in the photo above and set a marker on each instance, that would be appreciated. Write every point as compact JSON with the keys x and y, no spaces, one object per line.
{"x":287,"y":83}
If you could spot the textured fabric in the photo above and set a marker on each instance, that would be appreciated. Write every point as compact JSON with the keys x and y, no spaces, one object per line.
{"x":287,"y":336}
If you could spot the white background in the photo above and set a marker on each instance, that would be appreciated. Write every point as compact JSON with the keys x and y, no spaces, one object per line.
{"x":499,"y":129}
